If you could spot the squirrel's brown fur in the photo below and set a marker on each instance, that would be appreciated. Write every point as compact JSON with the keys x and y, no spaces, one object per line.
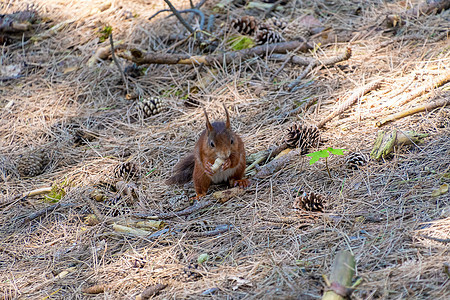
{"x":216,"y":141}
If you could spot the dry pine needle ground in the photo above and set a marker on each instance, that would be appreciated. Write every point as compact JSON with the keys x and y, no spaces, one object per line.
{"x":79,"y":116}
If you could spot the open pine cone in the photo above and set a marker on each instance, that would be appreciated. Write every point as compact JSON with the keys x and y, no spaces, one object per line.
{"x":126,"y":170}
{"x":309,"y":202}
{"x":302,"y":136}
{"x":355,"y":160}
{"x":274,"y":23}
{"x":151,"y":106}
{"x":32,"y":164}
{"x":244,"y":25}
{"x":268,"y":36}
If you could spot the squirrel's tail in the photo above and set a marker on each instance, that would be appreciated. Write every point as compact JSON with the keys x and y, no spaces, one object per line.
{"x":183,"y":170}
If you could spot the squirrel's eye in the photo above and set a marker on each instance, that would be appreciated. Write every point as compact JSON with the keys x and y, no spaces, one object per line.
{"x":232,"y":141}
{"x":212,"y":144}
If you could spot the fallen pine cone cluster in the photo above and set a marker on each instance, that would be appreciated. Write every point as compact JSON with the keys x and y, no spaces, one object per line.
{"x":265,"y":33}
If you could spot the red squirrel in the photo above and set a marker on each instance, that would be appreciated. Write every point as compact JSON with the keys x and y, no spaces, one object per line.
{"x":218,"y":156}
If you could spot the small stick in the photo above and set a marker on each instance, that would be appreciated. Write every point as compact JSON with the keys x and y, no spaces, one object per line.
{"x":350,"y":101}
{"x":140,"y":57}
{"x":445,"y":241}
{"x":277,"y":164}
{"x":414,"y":110}
{"x":190,"y":10}
{"x":117,"y":62}
{"x":46,"y":211}
{"x":219,"y":230}
{"x":301,"y":76}
{"x":180,"y":18}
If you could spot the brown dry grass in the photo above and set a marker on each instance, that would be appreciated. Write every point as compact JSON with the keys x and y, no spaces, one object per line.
{"x":255,"y":259}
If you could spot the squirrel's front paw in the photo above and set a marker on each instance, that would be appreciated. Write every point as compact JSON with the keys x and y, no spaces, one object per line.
{"x":208,"y":169}
{"x":226,"y":164}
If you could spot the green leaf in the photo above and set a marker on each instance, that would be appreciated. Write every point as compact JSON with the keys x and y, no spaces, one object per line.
{"x":240,"y":42}
{"x":323,"y":153}
{"x":336,"y":151}
{"x":314,"y":159}
{"x":105,"y":33}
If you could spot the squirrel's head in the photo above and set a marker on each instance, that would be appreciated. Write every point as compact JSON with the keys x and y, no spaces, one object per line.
{"x":220,"y":138}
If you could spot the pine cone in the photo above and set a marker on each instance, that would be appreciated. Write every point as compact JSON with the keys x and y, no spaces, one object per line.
{"x":302,"y":136}
{"x":274,"y":23}
{"x":268,"y":36}
{"x":32,"y":164}
{"x":244,"y":25}
{"x":355,"y":160}
{"x":126,"y":170}
{"x":309,"y":202}
{"x":151,"y":106}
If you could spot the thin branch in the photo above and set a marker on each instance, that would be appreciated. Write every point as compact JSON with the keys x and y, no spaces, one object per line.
{"x":139,"y":57}
{"x":414,"y":110}
{"x":180,"y":18}
{"x":117,"y":62}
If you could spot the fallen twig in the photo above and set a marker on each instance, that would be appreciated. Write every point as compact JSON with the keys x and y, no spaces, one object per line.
{"x":414,"y":110}
{"x":117,"y":62}
{"x":102,"y":53}
{"x":445,"y":241}
{"x":140,"y":57}
{"x":350,"y":101}
{"x":256,"y":158}
{"x":191,"y":10}
{"x":219,"y":230}
{"x":46,"y":210}
{"x":277,"y":164}
{"x":179,"y":17}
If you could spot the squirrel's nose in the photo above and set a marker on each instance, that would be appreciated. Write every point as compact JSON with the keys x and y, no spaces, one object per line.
{"x":224,"y":155}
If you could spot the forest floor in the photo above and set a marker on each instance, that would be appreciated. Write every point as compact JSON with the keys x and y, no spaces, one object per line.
{"x":69,"y":122}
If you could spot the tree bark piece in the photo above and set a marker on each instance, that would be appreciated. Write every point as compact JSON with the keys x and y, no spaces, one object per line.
{"x":139,"y":57}
{"x":342,"y":273}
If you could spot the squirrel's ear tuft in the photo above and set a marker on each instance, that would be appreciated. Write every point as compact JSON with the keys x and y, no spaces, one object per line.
{"x":227,"y":124}
{"x":208,"y":124}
